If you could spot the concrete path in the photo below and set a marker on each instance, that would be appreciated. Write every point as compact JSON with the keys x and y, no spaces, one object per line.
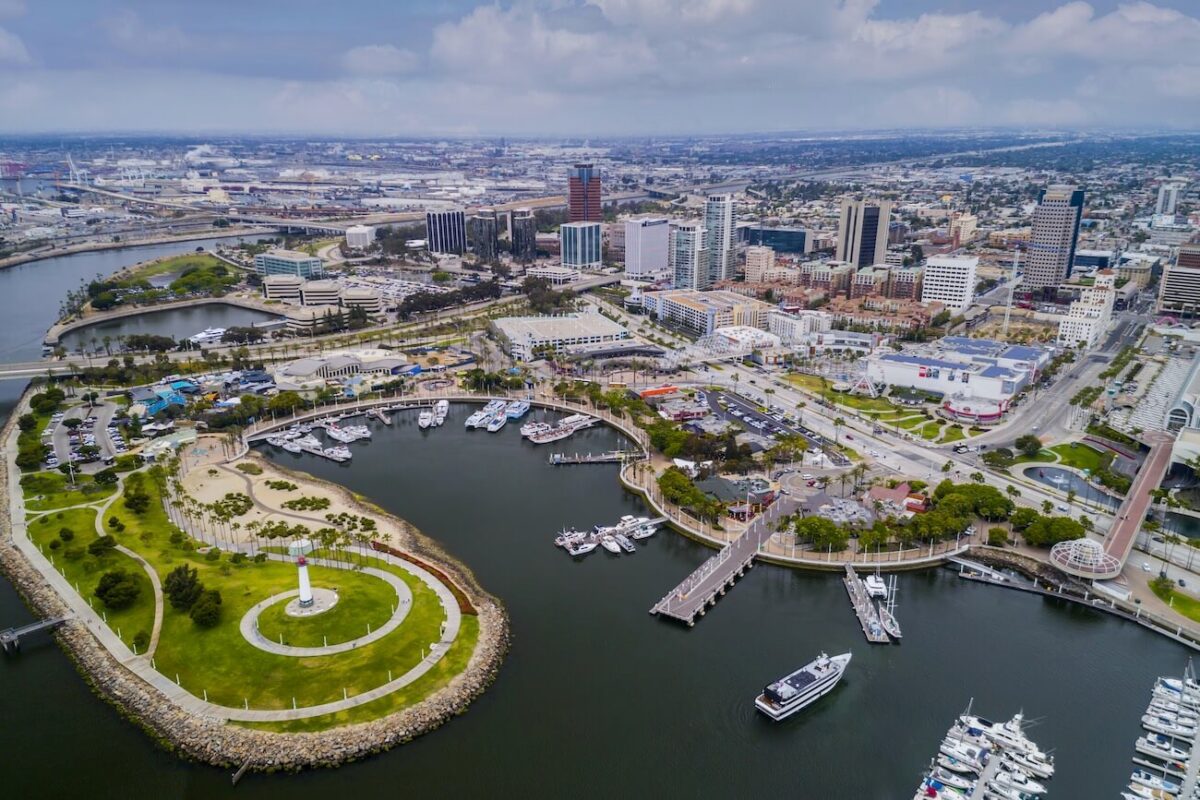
{"x":249,"y":624}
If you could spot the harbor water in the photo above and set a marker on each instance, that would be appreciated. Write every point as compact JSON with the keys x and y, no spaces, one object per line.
{"x":599,"y":699}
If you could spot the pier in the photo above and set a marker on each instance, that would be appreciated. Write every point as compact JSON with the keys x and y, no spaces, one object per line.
{"x":10,"y":638}
{"x":611,"y":457}
{"x":864,"y":608}
{"x":692,"y":597}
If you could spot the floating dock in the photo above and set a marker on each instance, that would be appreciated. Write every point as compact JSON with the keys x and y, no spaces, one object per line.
{"x":611,"y":457}
{"x":864,"y":608}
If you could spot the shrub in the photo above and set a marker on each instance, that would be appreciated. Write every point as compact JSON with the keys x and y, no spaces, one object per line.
{"x":101,"y":545}
{"x":997,"y":536}
{"x":260,"y":558}
{"x":141,"y":640}
{"x":55,"y":544}
{"x":237,"y":558}
{"x":249,"y":468}
{"x":206,"y":612}
{"x":117,"y":589}
{"x":213,"y":554}
{"x":66,"y":534}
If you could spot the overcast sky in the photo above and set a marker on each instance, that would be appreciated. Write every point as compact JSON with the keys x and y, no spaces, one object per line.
{"x":580,"y":67}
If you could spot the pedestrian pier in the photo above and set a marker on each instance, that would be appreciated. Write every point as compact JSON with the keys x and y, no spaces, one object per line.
{"x":611,"y":457}
{"x":978,"y":569}
{"x":693,"y":596}
{"x":864,"y":608}
{"x":10,"y":638}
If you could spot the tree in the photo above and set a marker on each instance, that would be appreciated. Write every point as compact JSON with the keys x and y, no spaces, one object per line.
{"x":27,"y":423}
{"x":101,"y":545}
{"x":105,"y":477}
{"x":117,"y":589}
{"x":206,"y":611}
{"x":1047,"y":506}
{"x":997,"y":536}
{"x":285,"y":402}
{"x":1022,"y":518}
{"x":182,"y":587}
{"x":1029,"y":444}
{"x":823,"y":533}
{"x":1047,"y":531}
{"x":137,"y":500}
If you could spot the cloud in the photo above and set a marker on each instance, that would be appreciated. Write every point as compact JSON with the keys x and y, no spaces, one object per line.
{"x":128,"y":31}
{"x":11,"y":8}
{"x":379,"y":59}
{"x":12,"y":49}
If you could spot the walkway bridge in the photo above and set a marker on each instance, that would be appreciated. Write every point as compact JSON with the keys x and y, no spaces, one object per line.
{"x":692,"y":597}
{"x":1085,"y":558}
{"x":10,"y":638}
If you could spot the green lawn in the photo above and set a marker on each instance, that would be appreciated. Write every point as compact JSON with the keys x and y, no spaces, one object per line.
{"x":931,"y":431}
{"x":912,"y":422}
{"x":362,"y":600}
{"x":46,"y":491}
{"x":1184,"y":604}
{"x":818,"y":386}
{"x":953,"y":434}
{"x":1081,"y":456}
{"x":1043,"y":457}
{"x":84,"y":570}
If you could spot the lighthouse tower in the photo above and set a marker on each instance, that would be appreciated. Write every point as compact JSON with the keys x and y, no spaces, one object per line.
{"x":306,"y":595}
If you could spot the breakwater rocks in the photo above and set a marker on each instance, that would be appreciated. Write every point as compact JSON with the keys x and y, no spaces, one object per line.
{"x":213,"y":740}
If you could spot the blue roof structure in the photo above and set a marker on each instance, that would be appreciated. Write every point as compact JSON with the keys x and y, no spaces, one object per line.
{"x":1022,"y":353}
{"x":997,"y":372}
{"x":923,"y":361}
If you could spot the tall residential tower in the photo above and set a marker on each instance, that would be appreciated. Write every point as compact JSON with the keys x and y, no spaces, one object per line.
{"x":718,"y":220}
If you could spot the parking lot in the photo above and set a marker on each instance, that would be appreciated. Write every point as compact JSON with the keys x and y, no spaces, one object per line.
{"x":95,"y":430}
{"x":737,"y":409}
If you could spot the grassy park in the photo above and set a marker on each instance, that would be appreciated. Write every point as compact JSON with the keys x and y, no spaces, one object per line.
{"x":363,"y":600}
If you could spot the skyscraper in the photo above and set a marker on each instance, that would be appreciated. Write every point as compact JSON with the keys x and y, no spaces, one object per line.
{"x":718,"y":221}
{"x":646,"y":243}
{"x":483,"y":232}
{"x":583,"y":194}
{"x":524,"y":235}
{"x":1053,"y":236}
{"x":580,"y":244}
{"x":863,"y":231}
{"x":1168,"y":199}
{"x":446,"y":231}
{"x":688,"y":260}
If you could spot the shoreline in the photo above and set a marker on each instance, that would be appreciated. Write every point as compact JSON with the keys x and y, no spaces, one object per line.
{"x":20,"y":259}
{"x":230,"y":745}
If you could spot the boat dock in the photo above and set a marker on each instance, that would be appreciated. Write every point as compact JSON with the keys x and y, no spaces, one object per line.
{"x":864,"y":608}
{"x":381,"y":415}
{"x":611,"y":457}
{"x":1171,"y":755}
{"x":692,"y":597}
{"x":10,"y":638}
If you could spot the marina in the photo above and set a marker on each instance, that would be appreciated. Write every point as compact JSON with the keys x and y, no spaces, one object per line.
{"x":615,"y":539}
{"x":864,"y":608}
{"x":991,"y":760}
{"x":564,"y":428}
{"x":1166,"y":764}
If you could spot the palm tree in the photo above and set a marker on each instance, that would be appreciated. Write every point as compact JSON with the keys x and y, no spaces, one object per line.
{"x":837,"y":427}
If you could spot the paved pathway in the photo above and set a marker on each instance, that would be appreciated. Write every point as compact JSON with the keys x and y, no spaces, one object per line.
{"x":249,"y":625}
{"x":156,"y":631}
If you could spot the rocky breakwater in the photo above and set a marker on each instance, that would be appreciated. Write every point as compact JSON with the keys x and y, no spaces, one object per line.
{"x":211,"y":738}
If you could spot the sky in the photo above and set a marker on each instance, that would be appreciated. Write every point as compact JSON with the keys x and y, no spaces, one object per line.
{"x":594,"y":67}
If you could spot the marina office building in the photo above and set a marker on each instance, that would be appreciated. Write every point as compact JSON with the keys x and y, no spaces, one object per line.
{"x":288,"y":262}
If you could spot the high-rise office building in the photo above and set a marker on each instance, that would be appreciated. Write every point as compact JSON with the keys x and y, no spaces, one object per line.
{"x":1053,"y":236}
{"x":483,"y":234}
{"x":1179,"y":291}
{"x":524,"y":235}
{"x":760,"y":261}
{"x":583,"y":194}
{"x":446,"y":231}
{"x":718,"y":222}
{"x":781,"y":239}
{"x":646,"y":242}
{"x":580,"y":245}
{"x":689,"y":255}
{"x":863,"y":232}
{"x":1168,"y":199}
{"x":950,"y":281}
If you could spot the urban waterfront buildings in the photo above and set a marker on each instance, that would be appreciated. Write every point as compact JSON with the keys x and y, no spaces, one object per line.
{"x":580,"y":245}
{"x":446,"y":231}
{"x":527,"y":338}
{"x":703,"y":312}
{"x":718,"y":224}
{"x":688,"y":255}
{"x":965,"y":370}
{"x":1053,"y":237}
{"x":950,"y":280}
{"x":523,"y":227}
{"x":288,"y":262}
{"x":583,"y":194}
{"x":646,"y":248}
{"x":863,"y":232}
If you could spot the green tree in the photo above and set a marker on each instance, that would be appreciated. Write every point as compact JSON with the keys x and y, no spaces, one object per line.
{"x":101,"y":545}
{"x":182,"y":587}
{"x":206,"y":611}
{"x":1029,"y":444}
{"x":117,"y":589}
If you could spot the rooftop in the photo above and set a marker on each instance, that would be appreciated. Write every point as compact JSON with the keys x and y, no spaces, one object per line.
{"x":564,"y":327}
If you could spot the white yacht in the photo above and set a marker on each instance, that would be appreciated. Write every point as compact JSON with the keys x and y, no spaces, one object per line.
{"x":440,"y":409}
{"x":497,"y":422}
{"x":1142,"y":777}
{"x":208,"y":336}
{"x":530,"y":428}
{"x":793,"y":692}
{"x":610,"y":544}
{"x":475,"y":419}
{"x":425,"y":418}
{"x":1015,"y":779}
{"x":876,"y":587}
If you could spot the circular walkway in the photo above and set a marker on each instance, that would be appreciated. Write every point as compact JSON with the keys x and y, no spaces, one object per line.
{"x":249,"y":624}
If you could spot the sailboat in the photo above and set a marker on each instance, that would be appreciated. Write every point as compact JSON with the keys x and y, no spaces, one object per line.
{"x":887,"y":615}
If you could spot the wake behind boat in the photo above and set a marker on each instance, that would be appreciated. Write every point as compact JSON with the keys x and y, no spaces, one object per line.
{"x":793,"y":692}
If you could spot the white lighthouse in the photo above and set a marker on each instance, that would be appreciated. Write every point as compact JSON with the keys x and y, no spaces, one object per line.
{"x":306,"y":595}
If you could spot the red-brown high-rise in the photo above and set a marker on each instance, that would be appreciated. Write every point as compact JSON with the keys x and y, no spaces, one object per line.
{"x":583,"y":194}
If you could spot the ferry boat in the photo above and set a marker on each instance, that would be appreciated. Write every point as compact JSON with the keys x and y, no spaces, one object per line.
{"x":425,"y":418}
{"x":208,"y":336}
{"x":517,"y":409}
{"x":793,"y":692}
{"x":497,"y":422}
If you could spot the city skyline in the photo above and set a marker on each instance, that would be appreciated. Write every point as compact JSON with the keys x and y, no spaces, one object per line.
{"x":599,"y":68}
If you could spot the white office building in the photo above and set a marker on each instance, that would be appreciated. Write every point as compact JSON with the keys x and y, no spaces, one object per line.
{"x":580,"y":244}
{"x":288,"y":262}
{"x":646,"y":249}
{"x":283,"y":288}
{"x":360,"y":237}
{"x":863,"y":232}
{"x":526,"y":338}
{"x":950,"y":280}
{"x":1089,"y":317}
{"x":1168,"y":199}
{"x":760,"y":262}
{"x":688,"y":255}
{"x":792,"y":328}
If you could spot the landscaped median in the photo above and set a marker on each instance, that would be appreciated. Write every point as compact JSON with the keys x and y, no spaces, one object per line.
{"x":392,"y":658}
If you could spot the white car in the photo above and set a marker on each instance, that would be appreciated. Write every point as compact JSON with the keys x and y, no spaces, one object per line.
{"x":806,"y":476}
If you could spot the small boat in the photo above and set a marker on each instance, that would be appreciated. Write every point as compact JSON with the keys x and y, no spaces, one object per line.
{"x":425,"y":419}
{"x":801,"y":688}
{"x":623,"y":540}
{"x":955,"y":780}
{"x":968,"y":754}
{"x":1142,"y":777}
{"x":889,"y":623}
{"x":497,"y":422}
{"x":932,"y":789}
{"x":955,"y":765}
{"x":1159,"y":746}
{"x":1006,"y":734}
{"x":1139,"y":792}
{"x":610,"y":544}
{"x":580,"y":548}
{"x":292,"y":447}
{"x":1169,"y":726}
{"x":1037,"y":767}
{"x":644,"y":531}
{"x":1014,"y":779}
